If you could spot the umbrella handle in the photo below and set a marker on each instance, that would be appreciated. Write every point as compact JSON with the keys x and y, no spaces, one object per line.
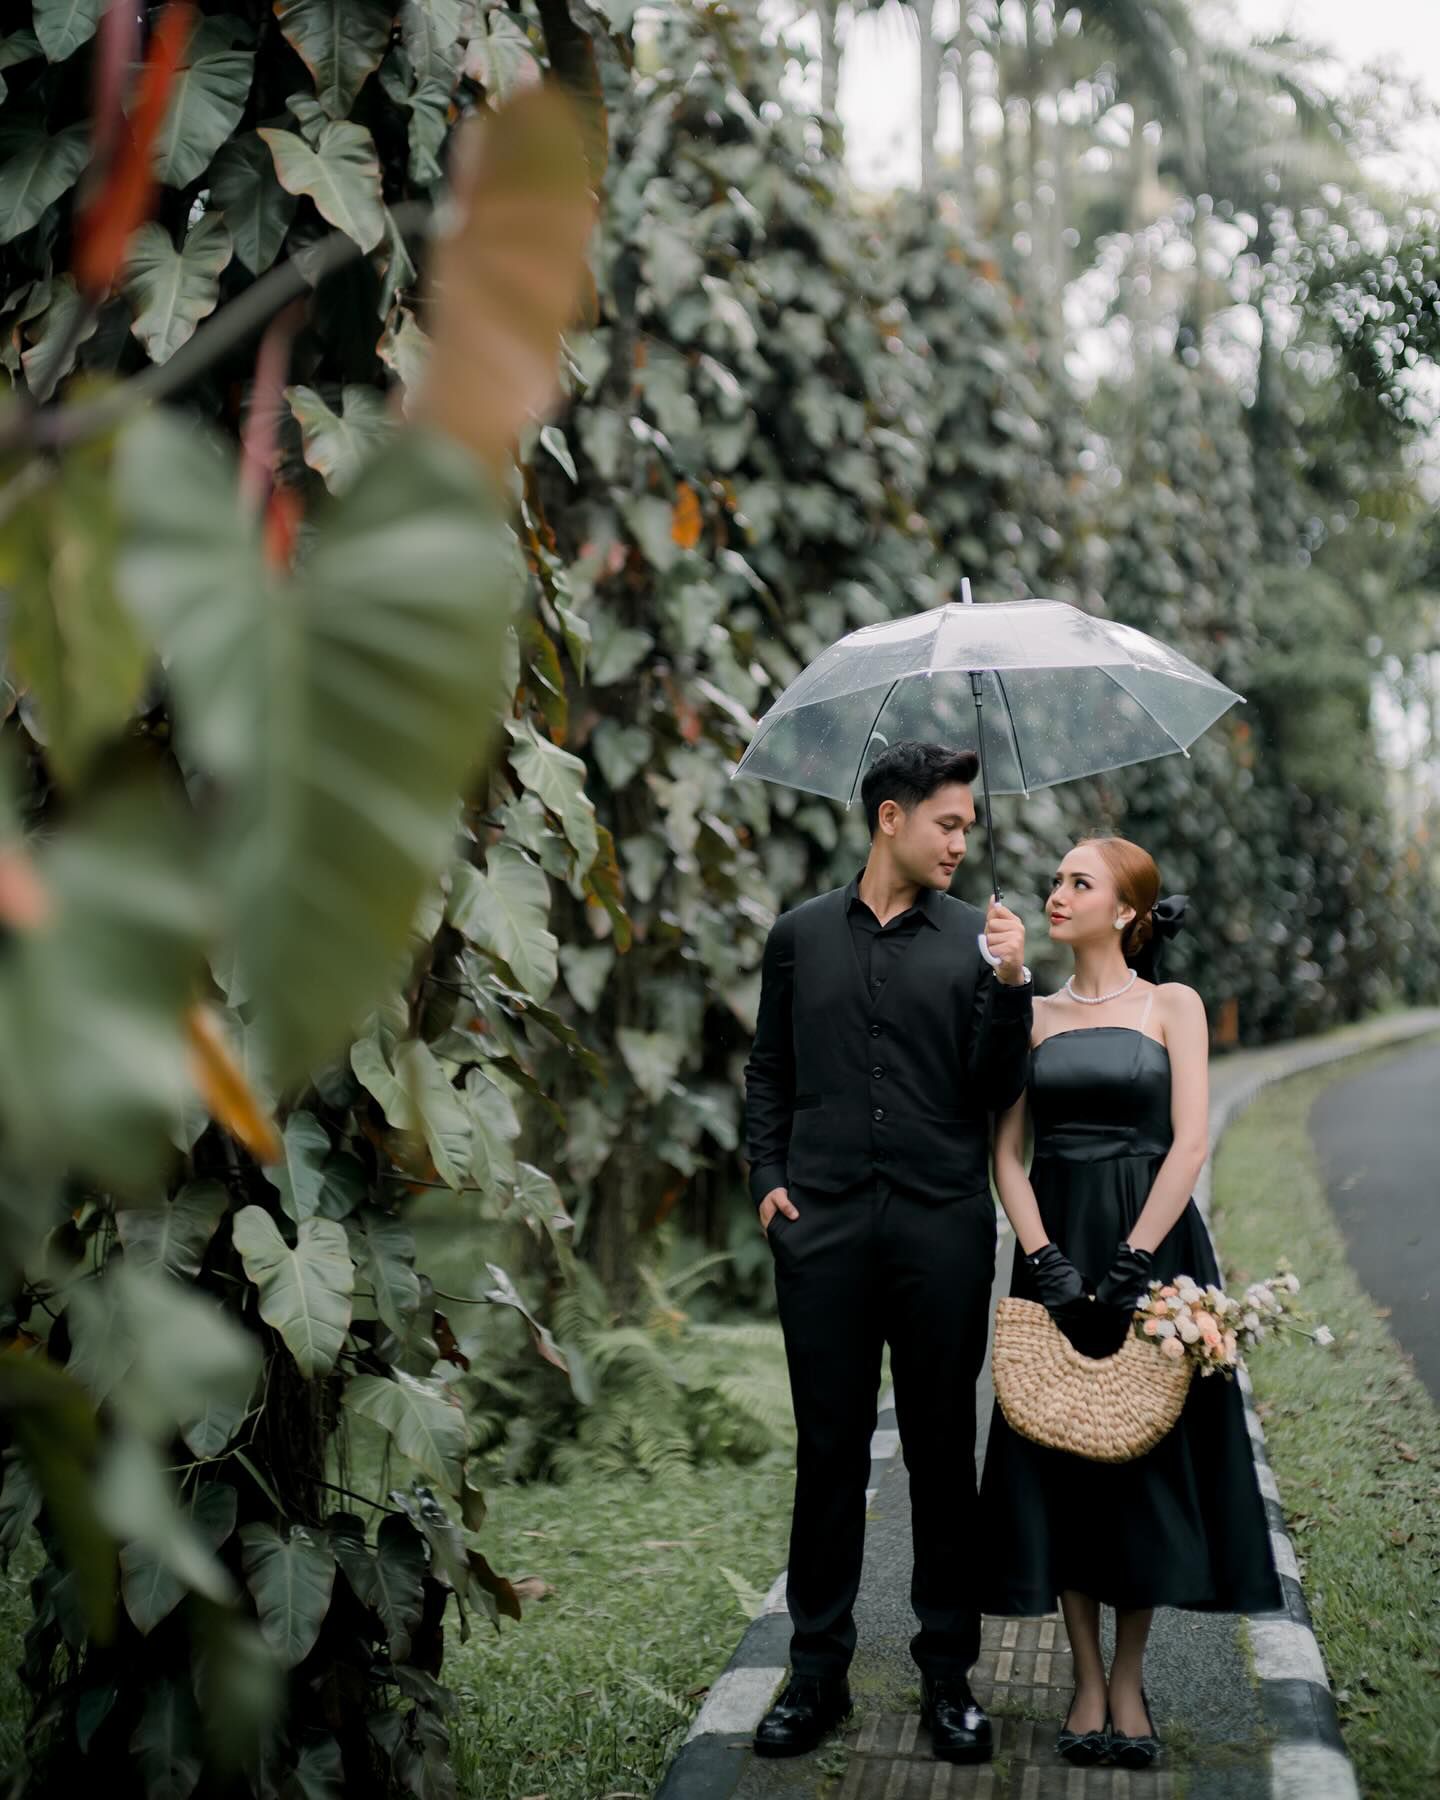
{"x":994,"y":961}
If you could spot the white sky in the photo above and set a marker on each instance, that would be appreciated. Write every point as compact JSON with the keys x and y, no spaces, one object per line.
{"x":879,"y":92}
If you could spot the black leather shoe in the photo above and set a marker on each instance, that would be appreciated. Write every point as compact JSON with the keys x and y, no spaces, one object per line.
{"x":958,"y":1726}
{"x":802,"y":1716}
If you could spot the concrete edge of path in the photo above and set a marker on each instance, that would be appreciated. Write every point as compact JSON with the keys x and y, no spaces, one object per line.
{"x":1308,"y":1760}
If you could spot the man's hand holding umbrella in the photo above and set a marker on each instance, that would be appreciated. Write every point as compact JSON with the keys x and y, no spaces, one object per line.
{"x":1005,"y":944}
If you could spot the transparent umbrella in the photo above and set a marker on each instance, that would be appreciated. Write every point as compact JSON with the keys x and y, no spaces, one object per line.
{"x":1046,"y":692}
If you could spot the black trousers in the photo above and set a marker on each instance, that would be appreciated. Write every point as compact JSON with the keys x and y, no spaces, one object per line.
{"x":855,"y":1271}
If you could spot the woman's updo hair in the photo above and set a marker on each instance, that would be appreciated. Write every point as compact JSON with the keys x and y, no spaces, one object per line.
{"x":1137,"y":884}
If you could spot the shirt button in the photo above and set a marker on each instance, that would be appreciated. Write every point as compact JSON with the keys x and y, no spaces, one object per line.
{"x":874,"y":1031}
{"x":878,"y":1114}
{"x":877,"y":1072}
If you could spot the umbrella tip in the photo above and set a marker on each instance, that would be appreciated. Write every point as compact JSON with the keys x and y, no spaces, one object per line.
{"x":966,"y":597}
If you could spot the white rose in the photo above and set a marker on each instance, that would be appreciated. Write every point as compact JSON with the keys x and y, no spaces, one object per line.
{"x":1166,"y":1328}
{"x":1189,"y":1331}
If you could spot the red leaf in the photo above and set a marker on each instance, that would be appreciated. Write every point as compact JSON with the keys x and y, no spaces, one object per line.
{"x":122,"y":199}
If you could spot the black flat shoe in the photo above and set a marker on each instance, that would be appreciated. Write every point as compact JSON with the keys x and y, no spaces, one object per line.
{"x":958,"y":1726}
{"x":805,"y":1713}
{"x":1136,"y":1752}
{"x":1083,"y":1748}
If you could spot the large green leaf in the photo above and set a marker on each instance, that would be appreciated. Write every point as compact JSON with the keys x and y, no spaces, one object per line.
{"x":93,"y":1054}
{"x":343,"y":712}
{"x":257,"y":210}
{"x":538,"y":1200}
{"x":653,"y":1059}
{"x":390,"y":1579}
{"x":336,"y":445}
{"x":438,"y":1110}
{"x":170,"y":291}
{"x":137,"y":1502}
{"x":400,"y":1566}
{"x":300,"y":1178}
{"x":211,"y":1430}
{"x":426,"y":1424}
{"x":166,"y":1742}
{"x":172,"y":1237}
{"x":384,"y":1249}
{"x":558,"y":778}
{"x":341,"y":175}
{"x":319,"y":1772}
{"x":62,"y":26}
{"x":157,"y":1350}
{"x":493,"y":1130}
{"x":37,"y":166}
{"x":341,"y":42}
{"x":505,"y":909}
{"x":305,"y":1291}
{"x":206,"y":102}
{"x":151,"y":1589}
{"x":418,"y":1097}
{"x":67,"y":322}
{"x":70,"y":639}
{"x":290,"y":1581}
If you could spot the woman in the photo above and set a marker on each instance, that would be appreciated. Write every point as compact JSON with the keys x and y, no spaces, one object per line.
{"x":1118,"y":1099}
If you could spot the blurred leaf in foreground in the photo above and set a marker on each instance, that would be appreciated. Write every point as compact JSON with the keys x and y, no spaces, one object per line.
{"x":340,"y":711}
{"x":507,"y":279}
{"x":93,"y":999}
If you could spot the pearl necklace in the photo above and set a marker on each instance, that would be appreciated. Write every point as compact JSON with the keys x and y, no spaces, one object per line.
{"x":1100,"y":999}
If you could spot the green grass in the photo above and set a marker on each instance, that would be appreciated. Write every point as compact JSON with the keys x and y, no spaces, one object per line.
{"x":593,"y":1692}
{"x":1354,"y":1440}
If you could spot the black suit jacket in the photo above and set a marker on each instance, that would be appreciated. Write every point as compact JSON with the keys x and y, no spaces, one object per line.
{"x":840,"y":1088}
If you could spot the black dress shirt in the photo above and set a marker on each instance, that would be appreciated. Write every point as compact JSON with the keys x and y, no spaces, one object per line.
{"x":998,"y":1037}
{"x":878,"y":948}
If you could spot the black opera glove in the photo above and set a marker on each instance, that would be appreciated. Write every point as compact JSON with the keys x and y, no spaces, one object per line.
{"x":1127,"y":1281}
{"x":1058,"y":1283}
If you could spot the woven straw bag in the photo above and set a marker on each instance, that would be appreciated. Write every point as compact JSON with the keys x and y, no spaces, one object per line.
{"x":1109,"y":1409}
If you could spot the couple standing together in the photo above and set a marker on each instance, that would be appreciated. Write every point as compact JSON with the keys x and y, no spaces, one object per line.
{"x":884,"y":1044}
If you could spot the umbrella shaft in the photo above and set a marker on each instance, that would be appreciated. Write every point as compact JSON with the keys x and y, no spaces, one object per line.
{"x":979,"y":699}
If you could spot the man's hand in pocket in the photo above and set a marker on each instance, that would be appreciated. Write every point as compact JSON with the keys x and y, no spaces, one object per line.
{"x":776,"y":1201}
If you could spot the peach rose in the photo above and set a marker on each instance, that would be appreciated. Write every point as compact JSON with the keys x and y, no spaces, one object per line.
{"x":1172,"y":1347}
{"x":1152,"y":1328}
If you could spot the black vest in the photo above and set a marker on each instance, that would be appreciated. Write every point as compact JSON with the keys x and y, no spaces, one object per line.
{"x":883,"y":1088}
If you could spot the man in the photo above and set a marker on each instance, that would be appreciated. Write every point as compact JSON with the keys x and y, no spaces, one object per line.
{"x":883,"y":1043}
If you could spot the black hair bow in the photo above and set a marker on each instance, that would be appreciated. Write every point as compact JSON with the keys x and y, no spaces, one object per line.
{"x":1167,"y":920}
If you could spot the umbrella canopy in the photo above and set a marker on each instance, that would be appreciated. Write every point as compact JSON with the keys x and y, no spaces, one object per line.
{"x":1046,"y":692}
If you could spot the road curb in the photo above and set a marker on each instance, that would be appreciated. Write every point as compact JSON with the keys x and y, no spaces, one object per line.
{"x":1308,"y":1759}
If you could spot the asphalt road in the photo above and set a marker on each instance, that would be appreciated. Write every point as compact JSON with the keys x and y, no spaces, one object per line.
{"x":1377,"y":1137}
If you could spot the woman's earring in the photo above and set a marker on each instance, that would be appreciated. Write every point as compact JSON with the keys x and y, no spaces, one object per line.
{"x":1119,"y":924}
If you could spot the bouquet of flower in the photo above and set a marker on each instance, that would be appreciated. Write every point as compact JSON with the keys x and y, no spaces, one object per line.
{"x":1212,"y":1328}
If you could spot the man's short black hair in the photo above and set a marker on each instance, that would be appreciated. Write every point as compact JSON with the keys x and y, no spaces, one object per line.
{"x":910,"y":772}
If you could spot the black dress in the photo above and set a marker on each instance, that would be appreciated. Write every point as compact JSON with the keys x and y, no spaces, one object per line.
{"x":1185,"y":1524}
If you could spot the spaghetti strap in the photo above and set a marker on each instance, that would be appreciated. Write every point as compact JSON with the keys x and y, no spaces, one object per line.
{"x":1149,"y":1002}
